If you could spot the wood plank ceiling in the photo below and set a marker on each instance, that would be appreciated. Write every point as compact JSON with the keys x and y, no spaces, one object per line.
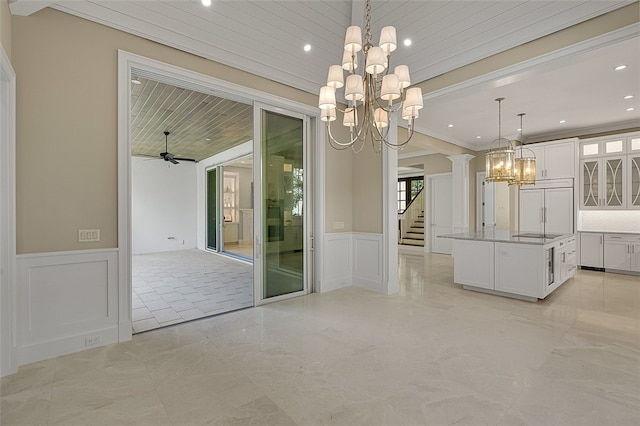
{"x":200,"y":125}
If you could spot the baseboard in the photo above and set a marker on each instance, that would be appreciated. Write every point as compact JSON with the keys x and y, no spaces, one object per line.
{"x":66,"y":345}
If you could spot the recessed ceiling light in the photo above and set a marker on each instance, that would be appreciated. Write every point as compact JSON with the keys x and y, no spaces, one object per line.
{"x":206,"y":3}
{"x":630,"y":109}
{"x":563,"y":121}
{"x":518,"y":130}
{"x":620,"y":67}
{"x":450,"y":125}
{"x":407,"y":42}
{"x":628,"y":97}
{"x":207,"y":139}
{"x":478,"y":137}
{"x":134,"y":80}
{"x":307,"y":47}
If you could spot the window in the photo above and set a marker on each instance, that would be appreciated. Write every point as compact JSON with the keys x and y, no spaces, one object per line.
{"x":402,"y":195}
{"x":408,"y":189}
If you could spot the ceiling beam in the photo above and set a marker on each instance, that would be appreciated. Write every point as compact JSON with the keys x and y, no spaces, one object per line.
{"x":28,"y":7}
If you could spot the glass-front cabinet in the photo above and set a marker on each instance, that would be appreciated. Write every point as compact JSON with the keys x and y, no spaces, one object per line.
{"x":610,"y":172}
{"x":603,"y":183}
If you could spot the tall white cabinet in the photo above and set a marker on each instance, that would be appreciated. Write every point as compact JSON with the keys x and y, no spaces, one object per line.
{"x":547,"y":210}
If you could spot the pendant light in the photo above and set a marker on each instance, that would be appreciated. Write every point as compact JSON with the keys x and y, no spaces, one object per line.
{"x":525,"y":163}
{"x":500,"y":158}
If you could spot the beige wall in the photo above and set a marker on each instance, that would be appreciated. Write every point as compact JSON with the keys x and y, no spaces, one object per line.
{"x":367,"y":191}
{"x":5,"y":27}
{"x":338,"y":183}
{"x":67,"y":125}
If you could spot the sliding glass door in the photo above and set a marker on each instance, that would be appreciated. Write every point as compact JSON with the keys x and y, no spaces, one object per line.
{"x":281,"y":222}
{"x":212,"y":209}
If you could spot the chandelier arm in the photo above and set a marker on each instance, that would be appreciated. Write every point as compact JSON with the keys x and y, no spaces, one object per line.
{"x":335,"y":141}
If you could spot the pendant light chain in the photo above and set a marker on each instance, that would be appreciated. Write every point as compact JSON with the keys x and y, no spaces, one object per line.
{"x":367,"y":27}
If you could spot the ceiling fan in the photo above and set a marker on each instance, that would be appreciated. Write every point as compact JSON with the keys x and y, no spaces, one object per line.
{"x":167,"y":156}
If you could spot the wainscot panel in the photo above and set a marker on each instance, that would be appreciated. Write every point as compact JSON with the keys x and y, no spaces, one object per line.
{"x":367,"y":259}
{"x":337,"y":262}
{"x":66,"y":302}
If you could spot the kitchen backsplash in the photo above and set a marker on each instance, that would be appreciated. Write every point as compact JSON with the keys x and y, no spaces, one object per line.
{"x":609,"y":220}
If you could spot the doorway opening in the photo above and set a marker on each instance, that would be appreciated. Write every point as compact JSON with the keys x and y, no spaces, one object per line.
{"x":176,"y":132}
{"x":286,"y":129}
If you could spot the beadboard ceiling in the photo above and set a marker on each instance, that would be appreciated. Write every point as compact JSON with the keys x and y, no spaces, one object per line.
{"x":266,"y":37}
{"x":200,"y":125}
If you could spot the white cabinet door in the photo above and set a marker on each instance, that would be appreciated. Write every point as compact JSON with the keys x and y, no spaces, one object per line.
{"x":617,"y":255}
{"x":559,"y":160}
{"x":532,"y":210}
{"x":519,"y":269}
{"x":558,"y":211}
{"x":473,"y":263}
{"x":635,"y":256}
{"x":591,"y":249}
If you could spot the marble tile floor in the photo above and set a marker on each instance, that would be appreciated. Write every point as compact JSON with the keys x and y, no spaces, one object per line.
{"x":178,"y":286}
{"x":432,"y":354}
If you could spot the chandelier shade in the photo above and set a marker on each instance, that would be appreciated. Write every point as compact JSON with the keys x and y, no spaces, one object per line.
{"x":373,"y":94}
{"x":500,"y":158}
{"x":524,"y":169}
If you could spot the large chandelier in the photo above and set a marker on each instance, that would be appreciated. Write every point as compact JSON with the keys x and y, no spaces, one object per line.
{"x":372,"y":95}
{"x":524,"y":164}
{"x":500,"y":159}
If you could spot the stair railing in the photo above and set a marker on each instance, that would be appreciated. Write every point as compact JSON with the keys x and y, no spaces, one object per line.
{"x":410,"y":214}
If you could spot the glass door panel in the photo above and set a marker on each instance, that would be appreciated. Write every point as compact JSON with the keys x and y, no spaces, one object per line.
{"x":212,"y":209}
{"x":590,"y":196}
{"x":634,"y":182}
{"x":613,"y":184}
{"x":281,"y":198}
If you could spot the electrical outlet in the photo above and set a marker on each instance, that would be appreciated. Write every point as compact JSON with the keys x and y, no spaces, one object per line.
{"x":88,"y":235}
{"x":94,"y":340}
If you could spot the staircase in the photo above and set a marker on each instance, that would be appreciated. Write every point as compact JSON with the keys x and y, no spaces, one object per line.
{"x":412,"y":222}
{"x":414,"y":235}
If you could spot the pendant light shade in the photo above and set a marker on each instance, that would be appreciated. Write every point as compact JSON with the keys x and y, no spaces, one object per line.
{"x":500,"y":158}
{"x":525,"y":163}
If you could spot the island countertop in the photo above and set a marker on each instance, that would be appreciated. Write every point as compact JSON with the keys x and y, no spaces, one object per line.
{"x":508,"y":237}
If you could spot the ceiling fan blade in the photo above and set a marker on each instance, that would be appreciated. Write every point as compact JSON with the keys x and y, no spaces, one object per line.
{"x":185,"y":159}
{"x":171,"y":159}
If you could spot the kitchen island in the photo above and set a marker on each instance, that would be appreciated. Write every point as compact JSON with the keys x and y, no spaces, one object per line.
{"x":523,"y":266}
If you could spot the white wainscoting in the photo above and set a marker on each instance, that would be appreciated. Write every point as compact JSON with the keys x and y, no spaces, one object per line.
{"x":367,"y":261}
{"x":352,"y":259}
{"x":66,"y":302}
{"x":337,"y":262}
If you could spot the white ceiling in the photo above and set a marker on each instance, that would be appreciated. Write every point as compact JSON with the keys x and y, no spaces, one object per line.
{"x":266,"y":37}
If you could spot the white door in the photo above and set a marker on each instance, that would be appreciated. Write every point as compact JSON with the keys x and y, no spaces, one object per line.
{"x":532,"y":210}
{"x":441,"y":213}
{"x":558,"y":215}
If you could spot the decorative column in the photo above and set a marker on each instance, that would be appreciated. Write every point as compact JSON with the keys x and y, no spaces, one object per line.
{"x":460,"y":191}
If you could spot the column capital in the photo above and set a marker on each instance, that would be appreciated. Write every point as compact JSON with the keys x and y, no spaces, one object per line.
{"x":461,"y":158}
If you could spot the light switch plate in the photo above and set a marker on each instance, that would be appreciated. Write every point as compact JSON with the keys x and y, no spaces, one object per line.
{"x":88,"y":235}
